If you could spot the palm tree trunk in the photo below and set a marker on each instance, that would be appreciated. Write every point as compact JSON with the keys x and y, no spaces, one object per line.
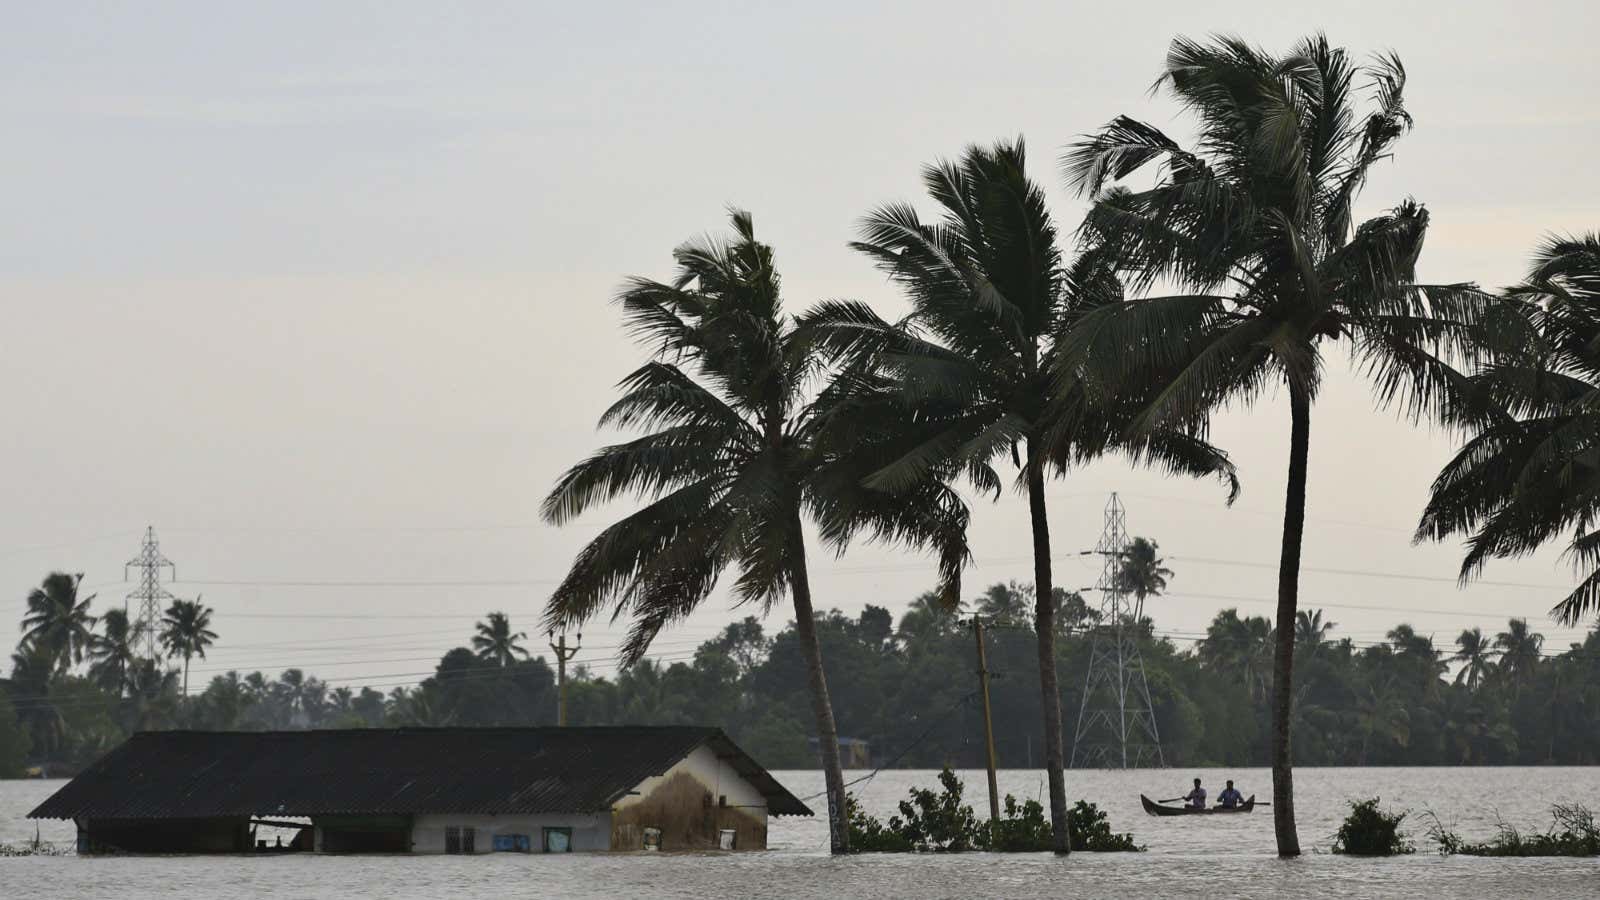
{"x":1044,"y":615}
{"x":1294,"y":526}
{"x":827,"y":733}
{"x":186,"y":676}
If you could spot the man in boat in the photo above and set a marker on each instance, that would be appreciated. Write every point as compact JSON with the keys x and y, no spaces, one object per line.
{"x":1230,"y":798}
{"x":1197,"y":797}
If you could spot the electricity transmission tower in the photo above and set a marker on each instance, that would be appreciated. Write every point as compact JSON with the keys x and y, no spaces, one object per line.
{"x":149,"y":593}
{"x":1116,"y":723}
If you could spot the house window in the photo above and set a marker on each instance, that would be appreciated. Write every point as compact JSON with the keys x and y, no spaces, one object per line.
{"x":512,"y":843}
{"x":727,"y":839}
{"x":460,"y":840}
{"x":652,"y":839}
{"x":558,"y":840}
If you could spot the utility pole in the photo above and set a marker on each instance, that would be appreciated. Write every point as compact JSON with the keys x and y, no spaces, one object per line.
{"x":563,"y":654}
{"x":988,"y":727}
{"x":149,"y":593}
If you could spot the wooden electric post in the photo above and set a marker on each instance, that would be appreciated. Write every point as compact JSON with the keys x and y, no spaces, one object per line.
{"x":988,"y":728}
{"x":562,"y":655}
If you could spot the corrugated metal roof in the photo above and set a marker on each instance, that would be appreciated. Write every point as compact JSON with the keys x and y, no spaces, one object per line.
{"x":200,"y":774}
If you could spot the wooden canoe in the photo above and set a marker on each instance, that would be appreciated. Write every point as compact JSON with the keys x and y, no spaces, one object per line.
{"x":1156,"y":809}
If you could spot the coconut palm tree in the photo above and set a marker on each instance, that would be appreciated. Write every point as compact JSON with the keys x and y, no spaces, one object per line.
{"x":57,"y":622}
{"x":1310,"y":630}
{"x":32,"y":694}
{"x":1528,"y":474}
{"x":153,"y":697}
{"x":1521,"y":651}
{"x":1380,"y":712}
{"x":974,"y":367}
{"x":1004,"y":603}
{"x":495,"y":642}
{"x":1254,"y":228}
{"x":1475,"y":653}
{"x":111,"y":652}
{"x":734,"y":460}
{"x":1242,"y":647}
{"x":1143,"y":573}
{"x":1418,"y":653}
{"x":186,"y":632}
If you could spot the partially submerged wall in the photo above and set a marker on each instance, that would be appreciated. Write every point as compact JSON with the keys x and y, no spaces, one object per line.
{"x":691,"y":804}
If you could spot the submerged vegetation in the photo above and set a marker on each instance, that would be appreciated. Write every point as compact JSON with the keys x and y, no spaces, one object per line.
{"x":1572,"y":832}
{"x":1371,"y":831}
{"x":939,"y":821}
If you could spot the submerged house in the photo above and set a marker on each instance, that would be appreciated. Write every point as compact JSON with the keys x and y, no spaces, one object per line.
{"x":425,"y":790}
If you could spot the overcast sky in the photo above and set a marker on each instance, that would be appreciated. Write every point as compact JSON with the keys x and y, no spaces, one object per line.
{"x":321,"y":290}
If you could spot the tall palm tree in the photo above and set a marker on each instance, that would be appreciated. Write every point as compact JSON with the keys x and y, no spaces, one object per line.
{"x":1254,"y":227}
{"x":733,"y":462}
{"x":1475,"y":653}
{"x":495,"y":641}
{"x":1143,"y":573}
{"x":186,"y":632}
{"x":57,"y":622}
{"x":975,"y":366}
{"x":111,"y":652}
{"x":1521,"y":651}
{"x":1528,"y":474}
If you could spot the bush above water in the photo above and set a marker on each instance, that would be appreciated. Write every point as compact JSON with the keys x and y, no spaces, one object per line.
{"x":941,"y":822}
{"x":1370,"y":831}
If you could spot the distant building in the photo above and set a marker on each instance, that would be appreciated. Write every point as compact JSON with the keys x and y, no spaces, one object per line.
{"x":425,"y":790}
{"x":854,"y":753}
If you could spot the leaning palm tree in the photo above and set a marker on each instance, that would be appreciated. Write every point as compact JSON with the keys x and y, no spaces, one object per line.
{"x":111,"y":652}
{"x":971,"y":373}
{"x":1143,"y":572}
{"x":57,"y":623}
{"x":496,"y":643}
{"x":1254,"y":227}
{"x":1475,"y":653}
{"x":186,"y":632}
{"x":734,"y":460}
{"x":1528,"y":474}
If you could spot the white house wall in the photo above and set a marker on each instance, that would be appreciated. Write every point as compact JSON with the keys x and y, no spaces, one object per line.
{"x":590,"y":831}
{"x":720,"y":778}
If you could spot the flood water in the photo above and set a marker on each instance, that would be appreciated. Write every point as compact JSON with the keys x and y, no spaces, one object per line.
{"x":1212,"y":856}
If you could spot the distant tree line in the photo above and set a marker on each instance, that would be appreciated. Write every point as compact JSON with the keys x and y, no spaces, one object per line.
{"x":78,"y":686}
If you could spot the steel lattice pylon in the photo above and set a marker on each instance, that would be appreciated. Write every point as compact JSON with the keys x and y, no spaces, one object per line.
{"x":149,"y":593}
{"x":1116,"y":721}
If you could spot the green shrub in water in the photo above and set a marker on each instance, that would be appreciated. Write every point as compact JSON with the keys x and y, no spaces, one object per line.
{"x":931,"y":821}
{"x":1370,"y":831}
